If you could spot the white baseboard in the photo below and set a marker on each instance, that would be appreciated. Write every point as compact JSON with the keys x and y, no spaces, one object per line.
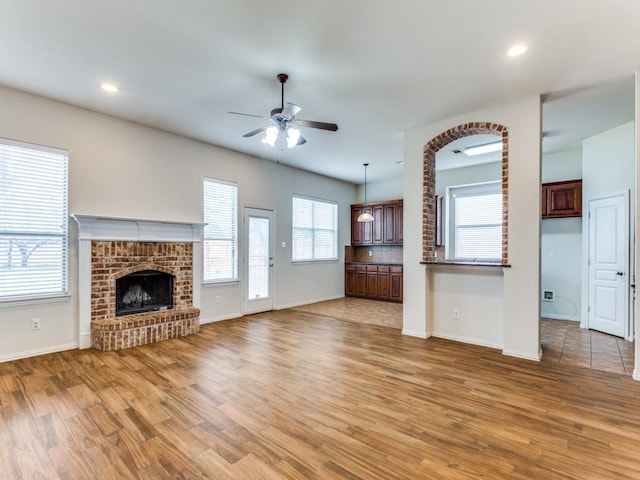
{"x":38,"y":351}
{"x":470,"y":340}
{"x":636,"y":374}
{"x":84,"y":341}
{"x":415,"y":333}
{"x":555,"y":316}
{"x":231,"y":316}
{"x":307,"y":302}
{"x":527,"y":356}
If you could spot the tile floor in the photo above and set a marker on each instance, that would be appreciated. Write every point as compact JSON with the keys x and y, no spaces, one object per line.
{"x":565,"y":342}
{"x":562,"y":341}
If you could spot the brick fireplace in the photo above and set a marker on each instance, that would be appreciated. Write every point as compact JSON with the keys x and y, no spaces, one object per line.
{"x":113,"y":248}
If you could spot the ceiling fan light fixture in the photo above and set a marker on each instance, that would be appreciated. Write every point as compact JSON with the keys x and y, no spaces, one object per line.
{"x":293,"y":135}
{"x":271,"y":135}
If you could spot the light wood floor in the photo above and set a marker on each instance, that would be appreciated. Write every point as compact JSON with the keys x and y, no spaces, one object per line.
{"x":296,"y":395}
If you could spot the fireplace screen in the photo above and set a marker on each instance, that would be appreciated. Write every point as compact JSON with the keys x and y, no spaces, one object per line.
{"x":145,"y":291}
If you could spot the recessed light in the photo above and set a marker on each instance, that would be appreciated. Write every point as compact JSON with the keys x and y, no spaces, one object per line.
{"x":482,"y":149}
{"x":517,"y":50}
{"x":109,"y":87}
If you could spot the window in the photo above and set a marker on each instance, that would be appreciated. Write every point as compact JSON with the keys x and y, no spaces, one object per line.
{"x":33,"y":221}
{"x":475,"y":215}
{"x":314,"y":232}
{"x":220,"y":245}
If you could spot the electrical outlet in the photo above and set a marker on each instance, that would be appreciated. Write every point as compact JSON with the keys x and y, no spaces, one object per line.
{"x":217,"y":298}
{"x":35,"y":324}
{"x":456,"y":313}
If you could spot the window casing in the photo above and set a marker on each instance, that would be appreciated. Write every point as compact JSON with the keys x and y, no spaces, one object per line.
{"x":474,"y":214}
{"x":220,"y":235}
{"x":314,"y":231}
{"x":33,"y":221}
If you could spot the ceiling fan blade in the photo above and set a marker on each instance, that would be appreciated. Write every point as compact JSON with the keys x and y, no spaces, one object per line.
{"x":248,"y":115}
{"x":255,"y":132}
{"x":290,"y":110}
{"x":321,"y":125}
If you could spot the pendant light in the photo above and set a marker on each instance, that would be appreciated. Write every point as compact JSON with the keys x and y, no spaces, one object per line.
{"x":365,"y":216}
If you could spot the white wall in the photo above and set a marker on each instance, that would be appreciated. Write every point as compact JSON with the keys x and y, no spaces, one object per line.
{"x":561,"y":244}
{"x":389,"y":189}
{"x":486,"y":172}
{"x":122,"y":169}
{"x":608,"y":166}
{"x":503,"y":304}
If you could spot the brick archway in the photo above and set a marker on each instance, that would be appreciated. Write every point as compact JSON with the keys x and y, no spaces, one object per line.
{"x":429,"y":181}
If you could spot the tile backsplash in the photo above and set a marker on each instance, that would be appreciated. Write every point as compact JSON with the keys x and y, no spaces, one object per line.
{"x":373,"y":254}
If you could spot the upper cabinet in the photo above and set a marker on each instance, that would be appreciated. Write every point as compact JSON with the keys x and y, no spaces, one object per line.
{"x":386,"y":228}
{"x":562,"y":199}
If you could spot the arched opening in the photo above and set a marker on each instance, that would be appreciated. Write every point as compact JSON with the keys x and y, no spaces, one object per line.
{"x":429,"y":183}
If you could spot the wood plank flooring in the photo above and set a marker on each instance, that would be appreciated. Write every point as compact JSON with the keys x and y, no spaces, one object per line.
{"x":295,"y":395}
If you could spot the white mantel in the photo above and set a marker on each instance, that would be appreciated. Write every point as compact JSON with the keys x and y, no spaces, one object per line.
{"x":95,"y":227}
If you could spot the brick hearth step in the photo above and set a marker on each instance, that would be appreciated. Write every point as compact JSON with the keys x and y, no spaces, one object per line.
{"x":143,"y":328}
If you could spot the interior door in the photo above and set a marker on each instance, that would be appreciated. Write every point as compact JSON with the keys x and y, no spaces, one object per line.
{"x":258,"y":260}
{"x":608,"y":265}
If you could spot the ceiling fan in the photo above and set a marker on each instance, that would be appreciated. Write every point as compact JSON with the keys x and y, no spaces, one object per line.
{"x":283,"y":121}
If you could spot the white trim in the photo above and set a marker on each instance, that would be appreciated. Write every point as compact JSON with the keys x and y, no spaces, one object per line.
{"x":555,"y":316}
{"x":416,"y":333}
{"x":231,"y":316}
{"x":307,"y":302}
{"x":27,"y":301}
{"x":95,"y":227}
{"x":524,"y":355}
{"x":38,"y":351}
{"x":469,"y":340}
{"x":636,"y":374}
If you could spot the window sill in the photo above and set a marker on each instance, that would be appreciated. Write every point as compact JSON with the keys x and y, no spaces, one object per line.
{"x":467,"y":264}
{"x":221,"y":283}
{"x":308,"y":262}
{"x":25,"y":302}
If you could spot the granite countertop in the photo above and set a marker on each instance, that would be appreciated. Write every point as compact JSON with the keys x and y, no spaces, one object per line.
{"x":374,"y":263}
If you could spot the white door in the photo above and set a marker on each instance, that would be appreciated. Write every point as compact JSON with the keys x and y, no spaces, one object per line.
{"x":608,"y":265}
{"x":258,"y":260}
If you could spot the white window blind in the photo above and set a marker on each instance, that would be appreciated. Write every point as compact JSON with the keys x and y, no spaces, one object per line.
{"x":33,"y":221}
{"x":220,"y":242}
{"x":314,"y":230}
{"x":476,"y":217}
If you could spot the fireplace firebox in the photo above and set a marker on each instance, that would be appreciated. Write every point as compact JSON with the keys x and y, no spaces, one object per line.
{"x":144,"y":291}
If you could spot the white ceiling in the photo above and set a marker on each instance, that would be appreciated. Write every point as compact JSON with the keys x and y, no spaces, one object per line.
{"x":374,"y":67}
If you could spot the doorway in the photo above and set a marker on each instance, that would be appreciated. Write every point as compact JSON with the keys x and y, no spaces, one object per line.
{"x":258,"y":260}
{"x":608,"y":265}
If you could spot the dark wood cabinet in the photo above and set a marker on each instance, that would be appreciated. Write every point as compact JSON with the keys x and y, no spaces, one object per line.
{"x":378,"y":224}
{"x":361,"y":281}
{"x":350,"y":280}
{"x":378,"y":282}
{"x":562,"y":199}
{"x":386,"y":228}
{"x":383,"y":282}
{"x":395,"y":284}
{"x":372,"y":281}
